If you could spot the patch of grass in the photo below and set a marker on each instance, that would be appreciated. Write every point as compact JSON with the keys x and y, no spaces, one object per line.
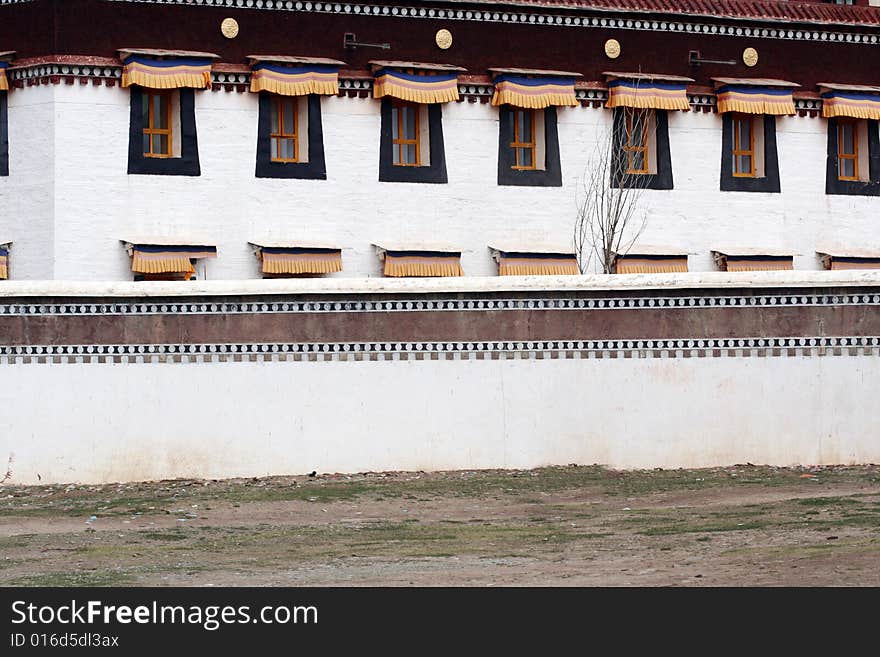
{"x":78,"y":578}
{"x":166,"y":535}
{"x":686,"y":528}
{"x":826,"y":501}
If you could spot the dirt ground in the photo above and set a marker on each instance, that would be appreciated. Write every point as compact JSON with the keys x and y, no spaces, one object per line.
{"x":742,"y":525}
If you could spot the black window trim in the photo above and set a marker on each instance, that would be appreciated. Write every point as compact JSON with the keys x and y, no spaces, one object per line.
{"x":315,"y":168}
{"x":833,"y":184}
{"x":663,"y":178}
{"x":769,"y":182}
{"x":188,"y":162}
{"x":433,"y":173}
{"x":4,"y":134}
{"x":551,"y":174}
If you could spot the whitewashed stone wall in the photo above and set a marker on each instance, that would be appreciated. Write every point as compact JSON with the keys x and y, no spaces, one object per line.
{"x":68,"y":199}
{"x":151,"y":421}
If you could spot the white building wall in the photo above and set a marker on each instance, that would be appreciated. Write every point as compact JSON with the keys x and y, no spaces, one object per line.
{"x":95,"y":202}
{"x":27,"y":195}
{"x":151,"y":421}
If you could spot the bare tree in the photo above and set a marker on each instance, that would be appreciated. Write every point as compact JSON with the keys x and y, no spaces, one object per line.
{"x":610,"y":216}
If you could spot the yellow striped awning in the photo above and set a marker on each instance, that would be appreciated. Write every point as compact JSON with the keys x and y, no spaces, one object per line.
{"x":519,"y":263}
{"x":4,"y":83}
{"x":415,"y":82}
{"x":4,"y":261}
{"x":288,"y":80}
{"x":422,"y":263}
{"x":647,"y":91}
{"x":755,"y":263}
{"x":650,"y":264}
{"x":534,"y":92}
{"x":162,"y":258}
{"x":754,"y":96}
{"x":855,"y":101}
{"x":174,"y":73}
{"x":855,"y":263}
{"x":300,"y":260}
{"x":848,"y":258}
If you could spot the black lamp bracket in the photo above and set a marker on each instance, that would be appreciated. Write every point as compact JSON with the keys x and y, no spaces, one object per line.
{"x":349,"y":40}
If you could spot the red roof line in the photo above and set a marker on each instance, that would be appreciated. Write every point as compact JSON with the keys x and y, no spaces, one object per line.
{"x":763,"y":10}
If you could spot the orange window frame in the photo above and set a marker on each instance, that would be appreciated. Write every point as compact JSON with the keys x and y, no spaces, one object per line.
{"x":150,"y":129}
{"x":842,"y":156}
{"x":518,"y":142}
{"x":400,"y":142}
{"x":738,"y":149}
{"x":630,"y":147}
{"x":280,"y":134}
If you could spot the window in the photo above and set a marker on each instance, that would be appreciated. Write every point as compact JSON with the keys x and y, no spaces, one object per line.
{"x":743,"y":146}
{"x":283,"y":129}
{"x":290,"y":137}
{"x":162,"y":132}
{"x":636,"y":144}
{"x":641,"y":149}
{"x":528,"y":147}
{"x":853,"y":157}
{"x":156,"y":108}
{"x":4,"y":135}
{"x":523,"y":143}
{"x":749,"y":162}
{"x":847,"y":150}
{"x":411,"y":142}
{"x":405,"y":134}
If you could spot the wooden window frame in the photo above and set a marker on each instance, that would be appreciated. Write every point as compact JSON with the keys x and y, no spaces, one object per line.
{"x":738,"y":151}
{"x":517,"y":143}
{"x":400,"y":142}
{"x":278,"y":103}
{"x":854,"y":156}
{"x":150,"y":131}
{"x":631,"y":148}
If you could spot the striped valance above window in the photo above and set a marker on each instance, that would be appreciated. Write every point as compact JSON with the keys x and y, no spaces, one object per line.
{"x":537,"y":264}
{"x":416,"y":82}
{"x":4,"y":83}
{"x":165,"y":258}
{"x":420,"y":260}
{"x":533,"y":88}
{"x":647,"y":91}
{"x":534,"y":260}
{"x":166,"y":69}
{"x":295,"y":76}
{"x":850,"y":258}
{"x":856,"y":101}
{"x":632,"y":263}
{"x":753,"y":260}
{"x":280,"y":260}
{"x":754,"y":96}
{"x":4,"y":261}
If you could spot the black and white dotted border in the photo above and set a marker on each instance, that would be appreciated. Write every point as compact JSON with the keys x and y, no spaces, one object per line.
{"x":359,"y":351}
{"x":433,"y":305}
{"x":755,"y":30}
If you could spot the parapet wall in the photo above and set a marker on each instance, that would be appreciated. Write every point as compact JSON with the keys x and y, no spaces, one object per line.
{"x":114,"y":382}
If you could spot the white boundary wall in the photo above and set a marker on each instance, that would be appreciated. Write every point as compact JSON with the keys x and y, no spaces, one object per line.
{"x":105,"y":423}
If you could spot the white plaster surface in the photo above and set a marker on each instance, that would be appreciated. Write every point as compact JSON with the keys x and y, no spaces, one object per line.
{"x":498,"y":284}
{"x":68,"y":198}
{"x":109,"y":422}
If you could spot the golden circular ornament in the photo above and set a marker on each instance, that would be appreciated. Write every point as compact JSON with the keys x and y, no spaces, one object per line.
{"x":750,"y":56}
{"x":229,"y":28}
{"x":443,"y":39}
{"x":612,"y":48}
